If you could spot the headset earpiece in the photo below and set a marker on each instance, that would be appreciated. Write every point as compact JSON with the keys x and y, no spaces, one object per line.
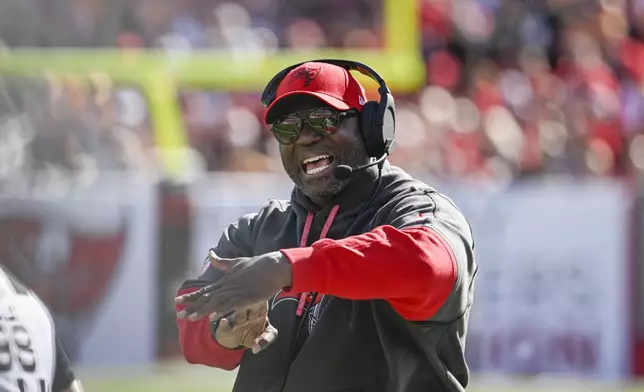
{"x":377,"y":119}
{"x":388,"y":131}
{"x":368,"y":130}
{"x":377,"y":124}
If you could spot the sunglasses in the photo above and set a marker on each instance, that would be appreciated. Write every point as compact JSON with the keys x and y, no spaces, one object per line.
{"x":323,"y":121}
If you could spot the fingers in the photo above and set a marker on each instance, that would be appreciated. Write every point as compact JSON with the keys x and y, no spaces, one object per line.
{"x":221,"y":303}
{"x":206,"y":305}
{"x":197,"y":313}
{"x":225,"y":327}
{"x":241,"y":318}
{"x":191,"y":298}
{"x":195,"y":295}
{"x":255,"y":334}
{"x":225,"y":334}
{"x":217,"y":262}
{"x":265,"y":339}
{"x":197,"y":309}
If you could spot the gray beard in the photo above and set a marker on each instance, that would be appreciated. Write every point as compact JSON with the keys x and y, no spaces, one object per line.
{"x":321,"y":197}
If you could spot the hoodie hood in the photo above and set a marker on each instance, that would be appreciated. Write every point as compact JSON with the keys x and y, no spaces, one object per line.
{"x":350,"y":202}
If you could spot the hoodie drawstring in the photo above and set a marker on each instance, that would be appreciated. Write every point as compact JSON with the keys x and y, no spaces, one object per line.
{"x":305,"y":237}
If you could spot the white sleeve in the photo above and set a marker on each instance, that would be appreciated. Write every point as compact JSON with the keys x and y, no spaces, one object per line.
{"x":27,"y":342}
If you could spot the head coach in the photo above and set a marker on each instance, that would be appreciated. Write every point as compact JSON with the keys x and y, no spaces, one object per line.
{"x":362,"y":281}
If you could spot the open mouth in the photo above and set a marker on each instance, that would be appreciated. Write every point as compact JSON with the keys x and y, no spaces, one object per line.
{"x":317,"y":164}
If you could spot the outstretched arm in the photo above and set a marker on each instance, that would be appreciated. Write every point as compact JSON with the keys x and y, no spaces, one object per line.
{"x":414,"y":269}
{"x":420,"y":261}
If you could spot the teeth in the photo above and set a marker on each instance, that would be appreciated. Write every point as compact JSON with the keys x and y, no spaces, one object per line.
{"x":317,"y":169}
{"x":315,"y":159}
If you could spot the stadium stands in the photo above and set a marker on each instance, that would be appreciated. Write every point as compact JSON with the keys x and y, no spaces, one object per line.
{"x":514,"y":88}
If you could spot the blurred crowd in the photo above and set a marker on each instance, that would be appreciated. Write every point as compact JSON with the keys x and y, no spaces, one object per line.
{"x":514,"y":88}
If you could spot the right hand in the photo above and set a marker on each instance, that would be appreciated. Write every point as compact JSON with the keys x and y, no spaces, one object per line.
{"x":247,"y":327}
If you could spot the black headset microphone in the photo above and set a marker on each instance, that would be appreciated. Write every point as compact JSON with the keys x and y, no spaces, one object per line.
{"x":343,"y":172}
{"x":377,"y":119}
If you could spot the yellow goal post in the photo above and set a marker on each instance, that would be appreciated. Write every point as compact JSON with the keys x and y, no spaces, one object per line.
{"x":159,"y":74}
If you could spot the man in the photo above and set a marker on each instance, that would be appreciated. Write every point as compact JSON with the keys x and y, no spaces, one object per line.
{"x":367,"y":281}
{"x":31,"y":357}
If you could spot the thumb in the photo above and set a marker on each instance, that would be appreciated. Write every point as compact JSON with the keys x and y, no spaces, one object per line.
{"x":265,"y":339}
{"x":220,"y":263}
{"x":224,"y":328}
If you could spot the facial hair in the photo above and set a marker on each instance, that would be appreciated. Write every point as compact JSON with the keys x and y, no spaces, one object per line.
{"x":323,"y":195}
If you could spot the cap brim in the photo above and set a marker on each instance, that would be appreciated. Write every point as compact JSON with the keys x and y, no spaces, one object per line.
{"x":280,"y":106}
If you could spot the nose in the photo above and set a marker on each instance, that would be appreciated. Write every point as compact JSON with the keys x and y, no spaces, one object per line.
{"x":308,"y":136}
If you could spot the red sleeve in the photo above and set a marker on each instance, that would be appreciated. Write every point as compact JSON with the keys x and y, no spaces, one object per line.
{"x":414,"y":269}
{"x":199,"y":347}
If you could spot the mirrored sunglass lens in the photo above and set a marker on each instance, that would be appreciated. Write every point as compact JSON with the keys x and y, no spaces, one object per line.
{"x":324,"y":120}
{"x":286,"y":130}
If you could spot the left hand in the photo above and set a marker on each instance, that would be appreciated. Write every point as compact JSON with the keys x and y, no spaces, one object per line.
{"x":247,"y":281}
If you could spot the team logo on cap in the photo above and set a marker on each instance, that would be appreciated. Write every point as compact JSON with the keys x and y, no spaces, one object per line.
{"x":307,"y":74}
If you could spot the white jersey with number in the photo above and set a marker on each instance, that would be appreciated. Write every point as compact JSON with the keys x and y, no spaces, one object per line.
{"x":27,"y":340}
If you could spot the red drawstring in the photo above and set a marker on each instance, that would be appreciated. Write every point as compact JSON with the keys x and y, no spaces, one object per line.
{"x":304,"y":298}
{"x":329,"y":221}
{"x":307,"y":229}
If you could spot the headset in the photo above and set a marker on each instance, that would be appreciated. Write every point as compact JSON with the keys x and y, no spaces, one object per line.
{"x":377,"y":119}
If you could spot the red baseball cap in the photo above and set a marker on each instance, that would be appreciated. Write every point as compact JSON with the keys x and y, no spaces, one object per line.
{"x":332,"y":84}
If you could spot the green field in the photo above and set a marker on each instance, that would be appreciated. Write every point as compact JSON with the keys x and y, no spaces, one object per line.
{"x":177,"y":377}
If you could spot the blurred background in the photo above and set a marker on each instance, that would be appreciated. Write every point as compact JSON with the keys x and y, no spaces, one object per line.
{"x":131,"y":134}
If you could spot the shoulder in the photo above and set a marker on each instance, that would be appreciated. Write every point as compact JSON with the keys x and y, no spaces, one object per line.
{"x":402,"y":191}
{"x":273,"y":214}
{"x":239,"y":236}
{"x":276,"y":205}
{"x":13,"y":290}
{"x":409,"y":201}
{"x":270,"y":208}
